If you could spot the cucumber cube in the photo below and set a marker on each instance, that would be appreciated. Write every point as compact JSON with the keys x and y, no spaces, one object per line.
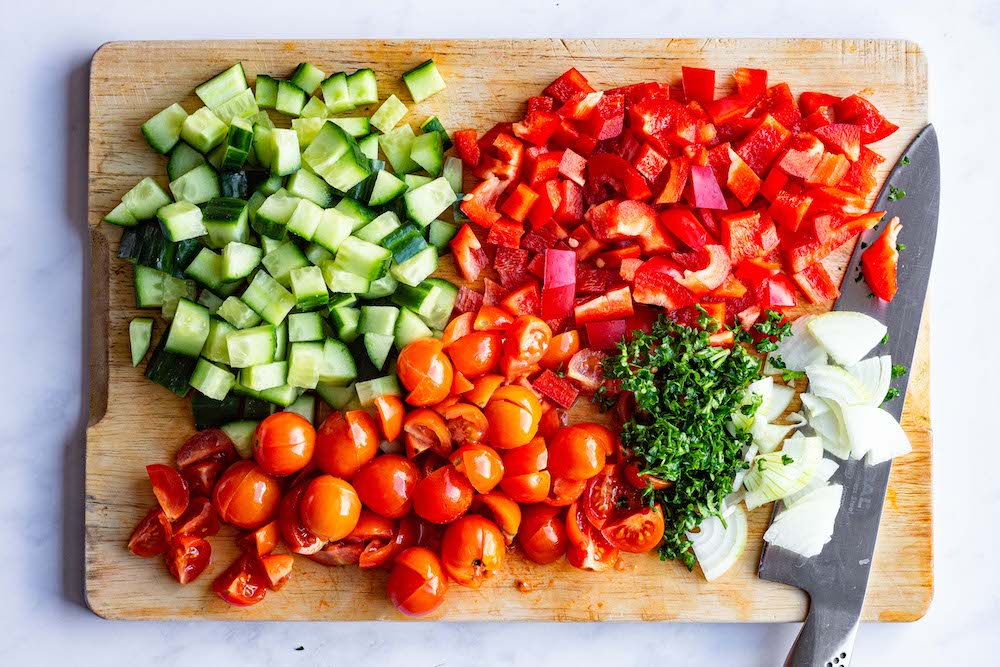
{"x":197,"y":186}
{"x":223,"y":86}
{"x":216,"y":349}
{"x":414,"y":181}
{"x":189,"y":330}
{"x":273,"y":215}
{"x":268,"y":298}
{"x":389,"y":114}
{"x":145,"y":198}
{"x":384,"y":286}
{"x":378,"y":347}
{"x":140,"y":333}
{"x":211,"y":380}
{"x":363,"y":87}
{"x":317,"y":254}
{"x":163,"y":130}
{"x":380,"y":227}
{"x":121,"y":216}
{"x":378,"y":319}
{"x":424,"y":80}
{"x":305,"y":360}
{"x":338,"y":367}
{"x":336,"y":94}
{"x":357,"y":126}
{"x":305,"y":219}
{"x":227,"y":219}
{"x":210,"y":301}
{"x":307,"y":77}
{"x":203,"y":130}
{"x":279,"y":263}
{"x":362,"y":258}
{"x":181,"y":221}
{"x":264,"y":376}
{"x":453,"y":172}
{"x":306,"y":130}
{"x":387,"y":187}
{"x":409,"y":327}
{"x":369,"y":390}
{"x":309,"y":289}
{"x":237,"y":313}
{"x":396,"y":145}
{"x":345,"y":323}
{"x":429,"y":201}
{"x":369,"y":146}
{"x":285,"y":158}
{"x":428,"y":153}
{"x":308,"y":185}
{"x":239,"y":260}
{"x":290,"y":99}
{"x":305,"y":327}
{"x":251,"y":347}
{"x":267,"y":91}
{"x":242,"y":105}
{"x":340,"y":281}
{"x":332,"y":229}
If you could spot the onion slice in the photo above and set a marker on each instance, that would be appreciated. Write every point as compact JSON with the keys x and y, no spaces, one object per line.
{"x":875,"y":373}
{"x":874,"y":432}
{"x":846,"y":336}
{"x":835,"y":383}
{"x":718,"y":545}
{"x":807,"y":526}
{"x":824,"y":471}
{"x":778,"y":474}
{"x":797,"y":350}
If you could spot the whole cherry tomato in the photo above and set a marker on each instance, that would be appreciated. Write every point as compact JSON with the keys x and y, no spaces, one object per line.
{"x":151,"y":536}
{"x":244,"y":583}
{"x":637,"y":532}
{"x":293,"y":532}
{"x":527,"y":339}
{"x":576,"y":453}
{"x":246,"y":496}
{"x":542,"y":535}
{"x":603,"y":434}
{"x":385,"y":485}
{"x":283,"y":443}
{"x":501,"y":510}
{"x":417,"y":583}
{"x":199,"y":520}
{"x":442,"y":496}
{"x":471,"y":549}
{"x":561,"y":349}
{"x":476,"y":353}
{"x":390,"y":415}
{"x":466,"y":423}
{"x":188,"y":557}
{"x":480,"y":464}
{"x":425,"y":371}
{"x":330,"y":508}
{"x":425,"y":430}
{"x":530,"y":488}
{"x":513,"y":414}
{"x":345,"y":443}
{"x":170,"y":489}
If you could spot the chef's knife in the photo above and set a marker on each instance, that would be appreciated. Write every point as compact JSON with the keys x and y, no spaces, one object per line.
{"x":836,"y":579}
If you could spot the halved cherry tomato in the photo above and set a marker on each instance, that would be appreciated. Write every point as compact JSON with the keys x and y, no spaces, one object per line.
{"x":576,"y":453}
{"x":378,"y":554}
{"x":564,"y":491}
{"x":603,"y":434}
{"x":386,"y":484}
{"x":441,"y":407}
{"x":458,"y":328}
{"x":283,"y":443}
{"x":513,"y":368}
{"x":641,"y":481}
{"x":501,"y":510}
{"x":460,"y":384}
{"x":527,"y":339}
{"x":293,"y":532}
{"x":482,"y":389}
{"x":476,"y":353}
{"x":526,"y":459}
{"x":244,"y":583}
{"x":246,"y":495}
{"x":417,"y":583}
{"x":211,"y":444}
{"x":466,"y":423}
{"x":585,"y":367}
{"x":390,"y":415}
{"x":336,"y":554}
{"x":202,"y":477}
{"x":277,"y":569}
{"x":443,"y":496}
{"x":608,"y":497}
{"x":471,"y":550}
{"x":530,"y":488}
{"x":346,"y":442}
{"x":561,"y":348}
{"x":371,"y":526}
{"x":637,"y":532}
{"x":170,"y":489}
{"x":330,"y":508}
{"x":188,"y":557}
{"x":552,"y":420}
{"x":425,"y":430}
{"x":513,"y":413}
{"x":152,"y":535}
{"x":425,"y":371}
{"x":543,"y":533}
{"x":480,"y":464}
{"x":263,"y":540}
{"x":199,"y":520}
{"x":588,"y":548}
{"x":492,"y":318}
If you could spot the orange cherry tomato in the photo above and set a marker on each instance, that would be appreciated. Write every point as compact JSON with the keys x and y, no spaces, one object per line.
{"x":588,"y":549}
{"x":585,"y":367}
{"x":466,"y":423}
{"x":390,"y":415}
{"x":443,"y":496}
{"x":552,"y":420}
{"x":637,"y":532}
{"x":293,"y":532}
{"x":152,"y":535}
{"x":417,"y":583}
{"x":530,"y":488}
{"x":277,"y":569}
{"x":378,"y":553}
{"x":543,"y":533}
{"x":188,"y":557}
{"x":371,"y":526}
{"x":210,"y":444}
{"x":501,"y":510}
{"x":492,"y":318}
{"x":513,"y":413}
{"x":345,"y":443}
{"x":199,"y":520}
{"x":330,"y":508}
{"x":480,"y":465}
{"x":576,"y":453}
{"x":170,"y":489}
{"x":460,"y":384}
{"x":459,"y":327}
{"x":607,"y":439}
{"x":641,"y":481}
{"x":529,"y":458}
{"x":385,"y":485}
{"x":425,"y":430}
{"x":482,"y":389}
{"x":246,"y":496}
{"x":564,"y":491}
{"x":283,"y":443}
{"x":527,"y":339}
{"x":471,"y":550}
{"x":425,"y":371}
{"x":608,"y":497}
{"x":445,"y":404}
{"x":514,"y":368}
{"x":562,"y":347}
{"x":476,"y":353}
{"x":244,"y":583}
{"x":263,"y":540}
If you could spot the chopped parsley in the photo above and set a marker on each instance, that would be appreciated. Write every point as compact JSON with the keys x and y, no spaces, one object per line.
{"x":891,"y":394}
{"x":898,"y":370}
{"x":774,"y":326}
{"x":885,"y":339}
{"x":786,"y":460}
{"x":895,"y":193}
{"x":778,"y":362}
{"x":787,"y":375}
{"x":900,"y":247}
{"x":760,"y":465}
{"x":905,"y":161}
{"x":871,"y":295}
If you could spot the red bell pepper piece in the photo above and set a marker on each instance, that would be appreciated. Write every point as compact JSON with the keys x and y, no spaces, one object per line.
{"x":709,"y":220}
{"x":544,"y":168}
{"x":560,"y":271}
{"x":610,"y":176}
{"x":780,"y":103}
{"x":879,"y":261}
{"x":509,"y":150}
{"x":659,"y":240}
{"x":537,"y":127}
{"x":718,"y":162}
{"x":778,"y":293}
{"x":518,"y":204}
{"x":572,"y":166}
{"x":548,"y":201}
{"x":580,"y":106}
{"x":612,"y":259}
{"x":650,"y":163}
{"x":493,"y":293}
{"x":655,"y":283}
{"x":704,"y":190}
{"x":809,"y":102}
{"x":538,"y":240}
{"x":860,"y":178}
{"x":466,"y":147}
{"x":570,"y":208}
{"x":506,"y":233}
{"x":755,"y":272}
{"x":512,"y":266}
{"x":774,"y":183}
{"x":654,"y":114}
{"x":621,"y":219}
{"x":680,"y":169}
{"x":741,"y":179}
{"x":536,"y":266}
{"x":836,"y":200}
{"x":747,"y":235}
{"x":597,"y":281}
{"x":567,"y":85}
{"x":606,"y":335}
{"x":727,"y":109}
{"x":804,"y":152}
{"x":468,"y":300}
{"x":699,"y":84}
{"x":817,"y":119}
{"x":560,"y":390}
{"x":816,"y":284}
{"x":525,"y":300}
{"x":607,"y":120}
{"x":812,"y":246}
{"x":789,"y":210}
{"x":582,"y":242}
{"x":705,"y":269}
{"x":682,"y":223}
{"x":859,"y":111}
{"x":486,"y":141}
{"x":763,"y":144}
{"x":566,"y":135}
{"x":751,"y":84}
{"x":616,"y":304}
{"x":557,"y":302}
{"x":731,"y":288}
{"x":830,"y":170}
{"x":480,"y":205}
{"x":629,"y":267}
{"x":841,"y":138}
{"x":735,"y":130}
{"x":540,"y":103}
{"x":469,"y":254}
{"x":625,"y":146}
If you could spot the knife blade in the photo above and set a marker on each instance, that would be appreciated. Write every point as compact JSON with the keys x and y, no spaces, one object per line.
{"x":837,"y":579}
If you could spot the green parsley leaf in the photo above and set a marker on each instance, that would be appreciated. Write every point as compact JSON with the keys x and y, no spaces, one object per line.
{"x":905,"y":161}
{"x":792,"y":375}
{"x":898,"y":370}
{"x":885,"y":339}
{"x":777,"y":361}
{"x":773,"y":327}
{"x":891,"y":394}
{"x":786,"y":460}
{"x":900,"y":247}
{"x":871,"y":295}
{"x":895,"y":193}
{"x":760,"y":465}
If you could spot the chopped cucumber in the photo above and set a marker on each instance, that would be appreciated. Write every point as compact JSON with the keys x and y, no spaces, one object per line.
{"x":423,"y":81}
{"x":440,"y":233}
{"x":332,"y":229}
{"x":307,"y":185}
{"x":281,"y":341}
{"x":239,"y":141}
{"x":305,"y":407}
{"x":404,"y":243}
{"x":145,"y":199}
{"x":304,"y":363}
{"x":181,"y":221}
{"x":242,"y":106}
{"x":384,"y":286}
{"x":239,"y":260}
{"x":285,"y":158}
{"x":284,"y":395}
{"x":379,"y":228}
{"x":396,"y":145}
{"x":121,"y":216}
{"x":342,"y":281}
{"x":273,"y":215}
{"x":369,"y":146}
{"x":305,"y":219}
{"x":453,"y":172}
{"x":434,"y":124}
{"x":263,"y":145}
{"x":238,"y":314}
{"x":280,"y":263}
{"x":189,"y":329}
{"x":358,"y":126}
{"x":250,"y":347}
{"x":378,"y":319}
{"x":345,"y":323}
{"x":210,"y":301}
{"x":216,"y":349}
{"x":378,"y":347}
{"x":362,"y":258}
{"x":268,"y":298}
{"x":183,"y":159}
{"x":197,"y":186}
{"x":363,"y":87}
{"x":305,"y":327}
{"x":290,"y":99}
{"x":203,"y":130}
{"x":267,"y":91}
{"x":409,"y":327}
{"x":227,"y":220}
{"x":417,"y":268}
{"x":174,"y":289}
{"x":317,"y":254}
{"x":359,"y":214}
{"x":387,"y":187}
{"x":234,"y":184}
{"x":421,"y":299}
{"x":337,"y":397}
{"x":306,"y":130}
{"x":309,"y":288}
{"x":427,"y":151}
{"x":223,"y":86}
{"x":439,"y":315}
{"x":163,"y":130}
{"x":338,"y":366}
{"x":211,"y":380}
{"x":369,"y":390}
{"x":336,"y":94}
{"x":389,"y":114}
{"x":264,"y":376}
{"x":242,"y":432}
{"x":414,"y":181}
{"x":307,"y":77}
{"x":140,"y":334}
{"x":206,"y":268}
{"x":169,"y":370}
{"x":429,"y":201}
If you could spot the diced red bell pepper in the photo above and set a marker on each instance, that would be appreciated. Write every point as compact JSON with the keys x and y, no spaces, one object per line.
{"x":696,"y":155}
{"x":548,"y":201}
{"x":748,"y":234}
{"x":778,"y":293}
{"x":572,"y":166}
{"x":629,"y":267}
{"x":570,"y":208}
{"x":580,"y":106}
{"x":655,"y":283}
{"x":751,"y":84}
{"x":763,"y":144}
{"x":816,"y":284}
{"x":625,"y":146}
{"x":567,"y":85}
{"x":836,"y":200}
{"x":616,"y":304}
{"x":612,"y":259}
{"x":709,"y":220}
{"x":801,"y":157}
{"x":755,"y":272}
{"x":506,"y":232}
{"x":480,"y":205}
{"x":650,"y":163}
{"x":493,"y":293}
{"x":682,"y":223}
{"x":493,"y":166}
{"x":469,"y":255}
{"x":810,"y":102}
{"x":812,"y":247}
{"x":780,"y":103}
{"x":468,"y":300}
{"x":560,"y":390}
{"x":466,"y":147}
{"x":635,"y":92}
{"x":560,"y":271}
{"x":509,"y":149}
{"x":652,"y":114}
{"x":543,"y":168}
{"x":841,"y":138}
{"x":621,"y":219}
{"x":512,"y":266}
{"x":860,"y":178}
{"x":583,"y":243}
{"x":727,"y":109}
{"x":830,"y":170}
{"x":525,"y":300}
{"x":735,"y":130}
{"x":518,"y":204}
{"x":597,"y":281}
{"x":707,"y":134}
{"x":680,"y":169}
{"x":731,"y":288}
{"x":538,"y":240}
{"x":859,"y":111}
{"x":704,"y":190}
{"x":607,"y":120}
{"x":583,"y":145}
{"x":540,"y":103}
{"x":566,"y":135}
{"x":699,"y":83}
{"x":536,"y":266}
{"x":537,"y":127}
{"x":709,"y":272}
{"x":557,"y":302}
{"x":773,"y":184}
{"x":610,"y":176}
{"x":789,"y":210}
{"x":879,"y":261}
{"x":659,"y":240}
{"x":718,"y":162}
{"x":817,"y":119}
{"x":606,"y":335}
{"x":741,"y":179}
{"x":486,"y":141}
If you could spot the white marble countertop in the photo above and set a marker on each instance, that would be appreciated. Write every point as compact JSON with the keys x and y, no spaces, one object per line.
{"x":42,"y":246}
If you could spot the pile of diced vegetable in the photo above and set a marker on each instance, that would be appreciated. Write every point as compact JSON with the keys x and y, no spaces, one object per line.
{"x":289,"y":259}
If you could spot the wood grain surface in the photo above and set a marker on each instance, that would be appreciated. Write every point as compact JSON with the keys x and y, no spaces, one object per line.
{"x":134,"y":422}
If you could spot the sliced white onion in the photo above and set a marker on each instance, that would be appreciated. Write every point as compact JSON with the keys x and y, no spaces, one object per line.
{"x":807,"y":526}
{"x":768,"y":437}
{"x":798,"y":350}
{"x":718,"y":546}
{"x":824,"y":471}
{"x":797,"y":419}
{"x":771,"y":479}
{"x":781,"y":397}
{"x":847,"y":336}
{"x":763,"y":388}
{"x":835,"y":383}
{"x":826,"y":420}
{"x":874,"y":432}
{"x":875,"y":373}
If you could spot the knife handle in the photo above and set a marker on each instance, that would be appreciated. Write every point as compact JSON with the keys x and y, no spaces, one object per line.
{"x":827,"y":636}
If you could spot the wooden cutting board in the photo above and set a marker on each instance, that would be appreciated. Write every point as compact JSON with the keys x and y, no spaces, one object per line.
{"x":134,"y":422}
